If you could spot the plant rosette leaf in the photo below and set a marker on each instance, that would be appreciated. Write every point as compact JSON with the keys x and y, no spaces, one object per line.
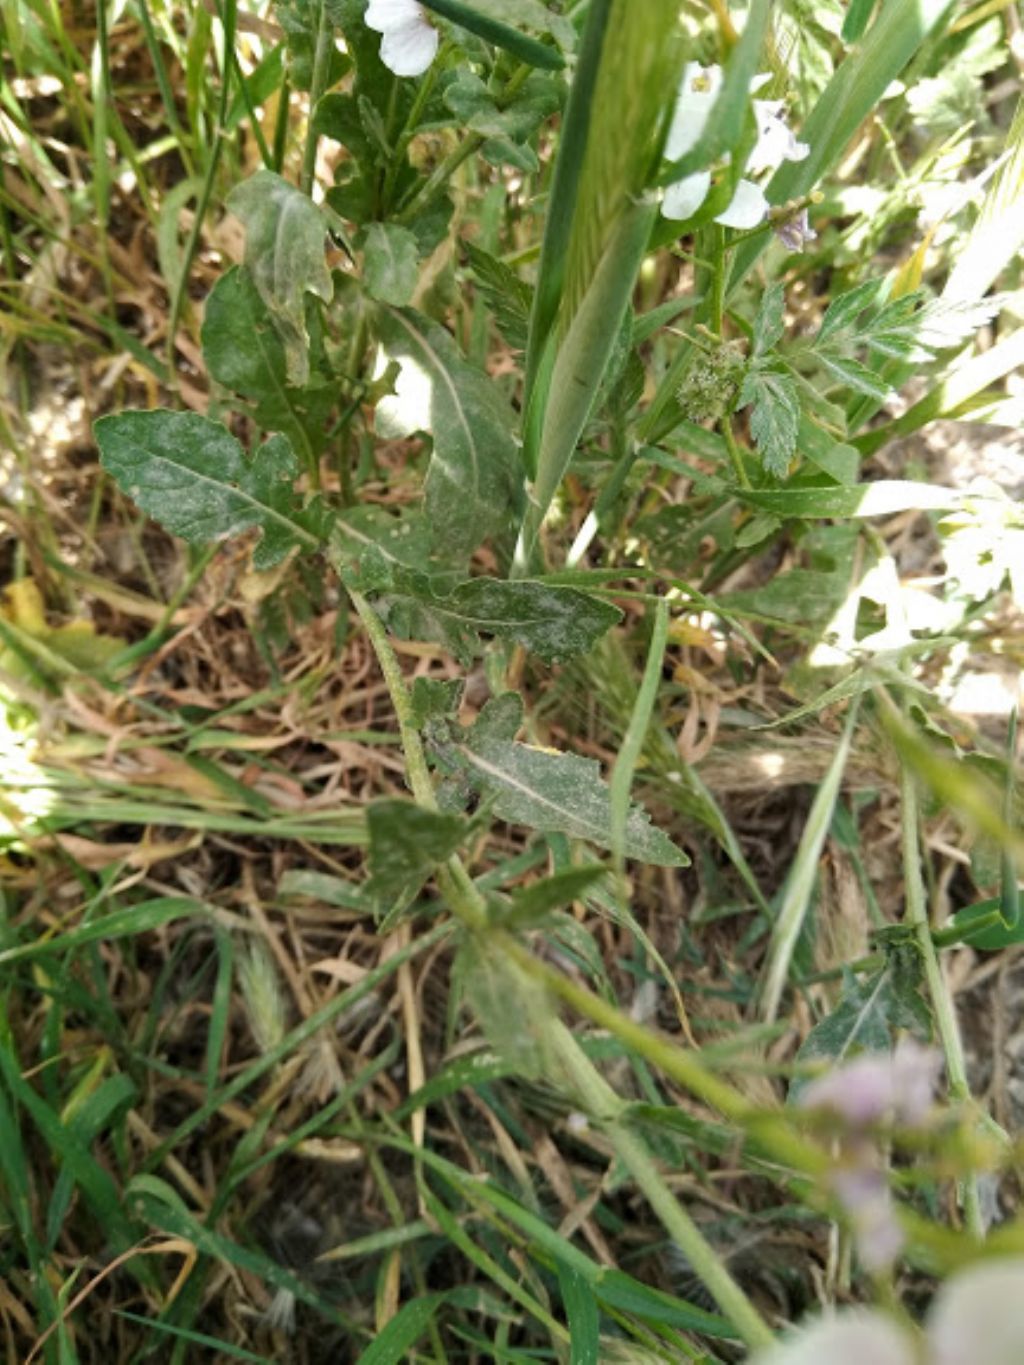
{"x":556,"y":793}
{"x":284,"y":249}
{"x":550,"y":621}
{"x":469,"y":488}
{"x":192,"y":476}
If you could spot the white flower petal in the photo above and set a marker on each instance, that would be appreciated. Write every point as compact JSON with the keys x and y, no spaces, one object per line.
{"x":384,"y":15}
{"x":977,"y":1318}
{"x":749,"y":207}
{"x":853,"y":1338}
{"x":684,"y":198}
{"x":775,"y":142}
{"x":410,"y":48}
{"x":698,"y":91}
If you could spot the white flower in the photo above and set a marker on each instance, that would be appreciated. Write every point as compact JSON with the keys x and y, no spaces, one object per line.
{"x":698,"y":91}
{"x":409,"y":42}
{"x":976,"y":1318}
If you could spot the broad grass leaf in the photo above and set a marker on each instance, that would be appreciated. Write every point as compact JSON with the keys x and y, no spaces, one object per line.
{"x":861,"y":500}
{"x":551,"y":621}
{"x":475,"y":461}
{"x":244,"y":351}
{"x":582,"y":1314}
{"x":394,"y":1343}
{"x":284,"y":250}
{"x":493,"y":30}
{"x":192,"y":476}
{"x":559,"y":793}
{"x":390,"y":263}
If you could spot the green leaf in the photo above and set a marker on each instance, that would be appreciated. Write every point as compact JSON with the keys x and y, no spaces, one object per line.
{"x":284,"y":250}
{"x":769,"y":324}
{"x":775,"y":419}
{"x":407,"y":842}
{"x":992,"y":933}
{"x":473,"y":104}
{"x":861,"y":500}
{"x":192,"y":476}
{"x":855,"y":375}
{"x":244,"y":351}
{"x":582,"y":1316}
{"x":434,"y":699}
{"x":844,"y":310}
{"x":512,"y":1007}
{"x":552,"y":622}
{"x":533,"y":903}
{"x":369,"y":543}
{"x":870,"y":1009}
{"x":300,"y":20}
{"x":507,"y":296}
{"x":394,"y":1343}
{"x":856,"y":21}
{"x":492,"y":30}
{"x":390,"y":263}
{"x":558,"y":793}
{"x":469,"y":486}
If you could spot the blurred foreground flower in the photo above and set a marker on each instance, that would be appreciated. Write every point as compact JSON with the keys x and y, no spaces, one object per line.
{"x":698,"y":92}
{"x":879,"y":1087}
{"x":875,"y":1088}
{"x":976,"y":1318}
{"x":409,"y":40}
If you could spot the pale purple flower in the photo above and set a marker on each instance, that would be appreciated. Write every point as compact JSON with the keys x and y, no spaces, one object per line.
{"x":794,"y":233}
{"x":893,"y":1087}
{"x":698,"y":91}
{"x":867,"y":1201}
{"x":976,"y":1318}
{"x":409,"y":41}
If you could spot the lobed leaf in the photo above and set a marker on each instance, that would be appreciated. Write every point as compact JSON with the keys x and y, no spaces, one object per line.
{"x":775,"y":419}
{"x":551,"y":621}
{"x":192,"y":476}
{"x":559,"y":793}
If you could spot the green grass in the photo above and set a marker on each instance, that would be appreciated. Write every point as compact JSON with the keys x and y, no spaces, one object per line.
{"x":532,"y":1107}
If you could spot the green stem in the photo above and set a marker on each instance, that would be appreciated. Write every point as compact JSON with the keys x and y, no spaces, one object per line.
{"x":604,"y":1104}
{"x":192,"y":245}
{"x":408,"y":132}
{"x":321,"y":75}
{"x":942,"y":1004}
{"x":735,"y":455}
{"x":430,"y":189}
{"x":424,"y":194}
